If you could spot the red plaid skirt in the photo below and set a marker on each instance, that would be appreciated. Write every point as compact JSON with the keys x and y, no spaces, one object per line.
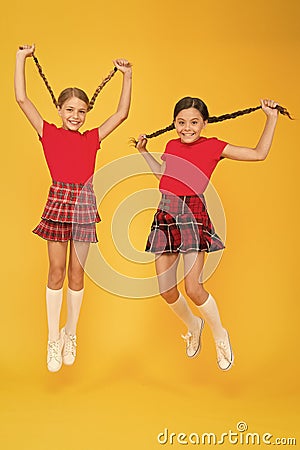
{"x":70,"y":213}
{"x":182,"y":224}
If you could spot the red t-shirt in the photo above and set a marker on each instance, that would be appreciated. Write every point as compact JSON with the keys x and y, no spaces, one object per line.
{"x":70,"y":155}
{"x":190,"y":166}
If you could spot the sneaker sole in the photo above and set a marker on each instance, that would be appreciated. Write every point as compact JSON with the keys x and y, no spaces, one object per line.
{"x":56,"y":370}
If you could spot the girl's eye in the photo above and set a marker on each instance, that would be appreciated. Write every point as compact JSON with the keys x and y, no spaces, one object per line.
{"x":195,"y":122}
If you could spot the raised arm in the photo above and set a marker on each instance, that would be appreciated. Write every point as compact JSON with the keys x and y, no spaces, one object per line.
{"x":157,"y":168}
{"x":260,"y":152}
{"x":25,"y":104}
{"x":124,"y":103}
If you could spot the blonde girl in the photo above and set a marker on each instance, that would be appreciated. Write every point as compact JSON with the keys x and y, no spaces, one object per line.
{"x":70,"y":213}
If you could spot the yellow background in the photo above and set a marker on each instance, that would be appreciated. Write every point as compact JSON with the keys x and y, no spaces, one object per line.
{"x":132,"y":379}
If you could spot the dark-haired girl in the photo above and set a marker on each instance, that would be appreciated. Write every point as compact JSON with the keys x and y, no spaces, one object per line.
{"x":71,"y":212}
{"x":182,"y":224}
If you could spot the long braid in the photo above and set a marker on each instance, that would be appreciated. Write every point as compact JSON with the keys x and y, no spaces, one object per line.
{"x":133,"y":141}
{"x":159,"y":132}
{"x":45,"y":80}
{"x":213,"y":119}
{"x":96,"y":93}
{"x":100,"y":87}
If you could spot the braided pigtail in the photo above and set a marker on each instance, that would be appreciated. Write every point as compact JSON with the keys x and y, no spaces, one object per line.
{"x":45,"y":80}
{"x":197,"y":103}
{"x":134,"y":142}
{"x":159,"y":132}
{"x":213,"y":119}
{"x":100,"y":87}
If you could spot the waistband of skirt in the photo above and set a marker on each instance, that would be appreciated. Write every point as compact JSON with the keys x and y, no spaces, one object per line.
{"x":64,"y":184}
{"x":183,"y":198}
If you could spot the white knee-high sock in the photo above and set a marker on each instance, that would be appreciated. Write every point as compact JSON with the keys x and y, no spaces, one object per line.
{"x":183,"y":311}
{"x":210,"y":313}
{"x":74,"y":301}
{"x":53,"y":302}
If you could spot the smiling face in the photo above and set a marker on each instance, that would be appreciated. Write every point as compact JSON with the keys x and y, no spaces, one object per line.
{"x":189,"y":123}
{"x":73,"y":113}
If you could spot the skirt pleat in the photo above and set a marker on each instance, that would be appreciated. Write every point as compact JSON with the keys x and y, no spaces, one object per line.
{"x":182,"y":224}
{"x":70,"y":213}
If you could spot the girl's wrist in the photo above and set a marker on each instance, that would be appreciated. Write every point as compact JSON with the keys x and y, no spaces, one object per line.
{"x":272,"y":118}
{"x":20,"y":56}
{"x":128,"y":74}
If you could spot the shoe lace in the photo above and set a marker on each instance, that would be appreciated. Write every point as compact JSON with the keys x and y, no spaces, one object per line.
{"x":54,"y":349}
{"x":222,"y":349}
{"x":188,"y":338}
{"x":70,"y":344}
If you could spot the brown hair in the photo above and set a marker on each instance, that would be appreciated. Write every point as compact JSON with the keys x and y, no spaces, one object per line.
{"x":197,"y":103}
{"x":73,"y":92}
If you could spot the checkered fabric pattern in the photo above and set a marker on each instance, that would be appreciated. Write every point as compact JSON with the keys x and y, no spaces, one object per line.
{"x":64,"y":231}
{"x":71,"y":202}
{"x":182,"y":224}
{"x":70,"y":213}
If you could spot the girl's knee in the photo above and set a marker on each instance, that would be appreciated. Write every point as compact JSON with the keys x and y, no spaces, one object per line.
{"x":196,"y":293}
{"x":75,"y":279}
{"x":170,"y":296}
{"x":56,"y":277}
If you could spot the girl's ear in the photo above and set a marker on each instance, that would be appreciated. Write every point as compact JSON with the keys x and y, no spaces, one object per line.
{"x":59,"y":110}
{"x":205,"y":123}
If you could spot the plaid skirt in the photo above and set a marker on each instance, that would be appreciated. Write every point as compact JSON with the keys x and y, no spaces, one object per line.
{"x":182,"y":224}
{"x":70,"y":213}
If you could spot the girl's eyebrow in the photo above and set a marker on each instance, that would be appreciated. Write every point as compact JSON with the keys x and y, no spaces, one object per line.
{"x":195,"y":118}
{"x":72,"y":107}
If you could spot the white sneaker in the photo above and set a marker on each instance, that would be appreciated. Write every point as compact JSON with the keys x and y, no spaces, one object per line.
{"x":193,"y":339}
{"x":225,"y":356}
{"x":54,"y":355}
{"x":69,"y":350}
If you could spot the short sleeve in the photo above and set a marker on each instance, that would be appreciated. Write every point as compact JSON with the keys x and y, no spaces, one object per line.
{"x":217,"y":147}
{"x":167,"y":151}
{"x":48,"y":131}
{"x":92,"y":137}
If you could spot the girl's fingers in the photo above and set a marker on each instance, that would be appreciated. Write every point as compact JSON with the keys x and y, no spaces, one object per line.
{"x":26,"y":46}
{"x":27,"y":50}
{"x":122,"y":62}
{"x":268,"y":103}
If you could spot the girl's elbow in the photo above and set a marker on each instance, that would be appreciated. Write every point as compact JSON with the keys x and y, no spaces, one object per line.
{"x":260,"y":155}
{"x":121,"y":117}
{"x":124,"y":115}
{"x":20,"y":99}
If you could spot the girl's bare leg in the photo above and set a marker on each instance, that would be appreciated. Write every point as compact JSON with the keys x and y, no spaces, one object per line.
{"x":206,"y":304}
{"x":54,"y":292}
{"x":166,"y":267}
